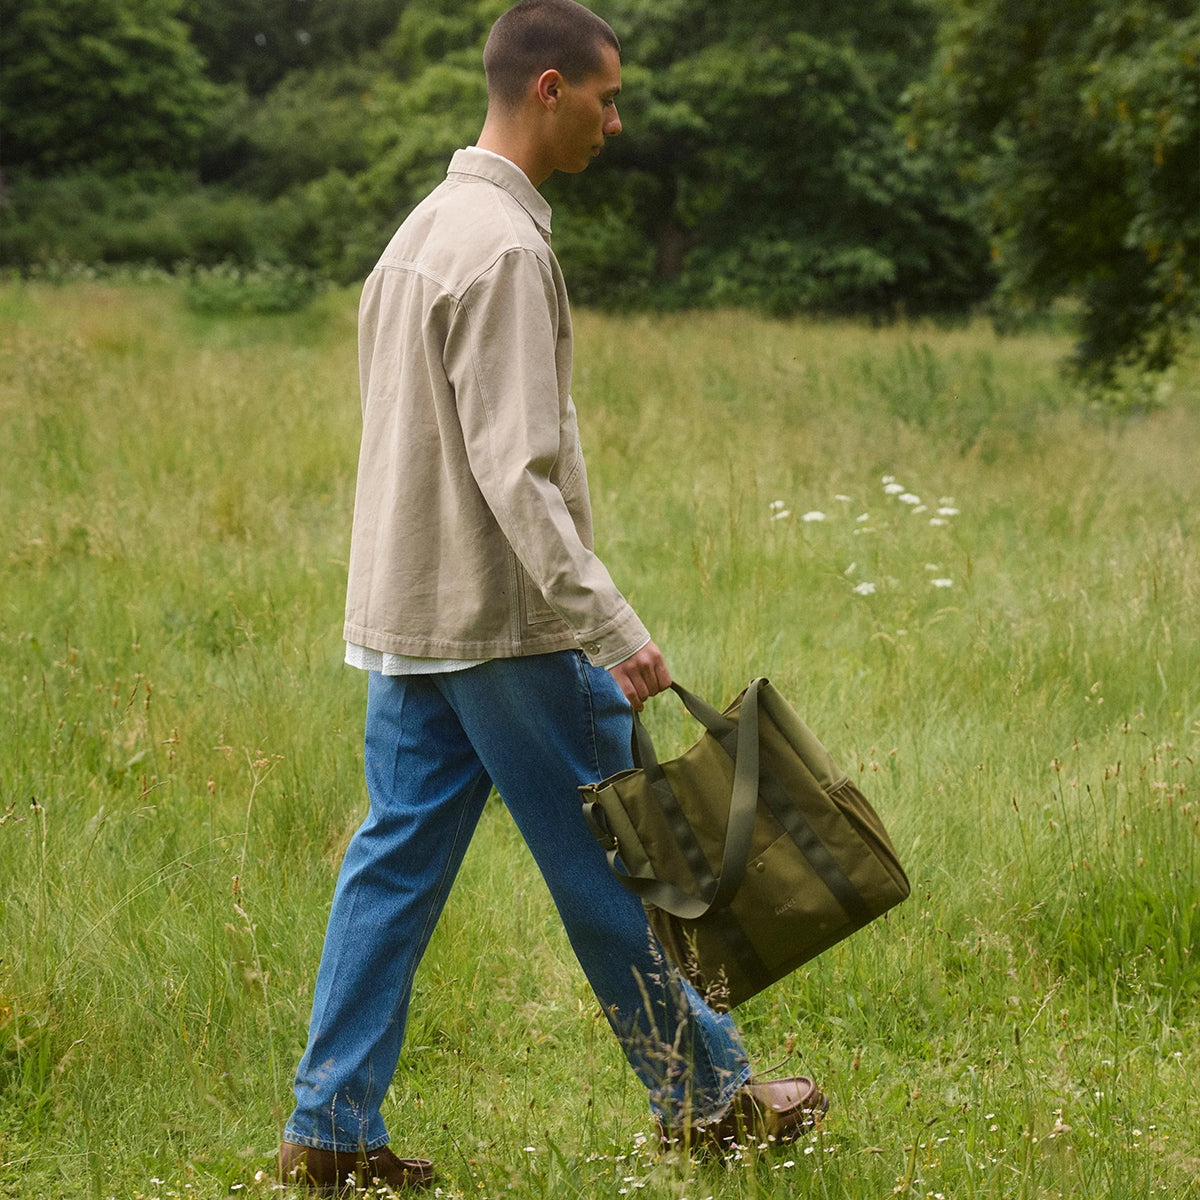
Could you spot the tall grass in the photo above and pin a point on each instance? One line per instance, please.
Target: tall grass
(981, 594)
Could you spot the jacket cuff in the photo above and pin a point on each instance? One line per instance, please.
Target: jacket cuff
(615, 642)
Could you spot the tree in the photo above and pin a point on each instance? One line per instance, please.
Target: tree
(256, 43)
(1079, 125)
(310, 123)
(105, 85)
(764, 163)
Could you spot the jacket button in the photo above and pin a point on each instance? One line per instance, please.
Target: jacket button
(592, 647)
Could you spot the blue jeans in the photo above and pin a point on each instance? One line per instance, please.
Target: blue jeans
(536, 728)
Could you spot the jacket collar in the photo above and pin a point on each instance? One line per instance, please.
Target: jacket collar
(484, 165)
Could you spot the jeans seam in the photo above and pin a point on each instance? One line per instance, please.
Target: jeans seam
(440, 895)
(589, 708)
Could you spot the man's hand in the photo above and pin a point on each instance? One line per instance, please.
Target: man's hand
(642, 675)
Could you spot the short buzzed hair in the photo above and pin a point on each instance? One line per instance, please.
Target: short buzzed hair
(540, 35)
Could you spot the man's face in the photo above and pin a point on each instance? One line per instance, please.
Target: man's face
(587, 114)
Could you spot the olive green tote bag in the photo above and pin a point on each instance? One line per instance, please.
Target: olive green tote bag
(752, 852)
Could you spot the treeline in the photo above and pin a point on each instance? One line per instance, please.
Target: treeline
(880, 157)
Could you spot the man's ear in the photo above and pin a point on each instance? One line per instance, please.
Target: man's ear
(548, 88)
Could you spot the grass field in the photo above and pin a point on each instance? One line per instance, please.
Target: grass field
(984, 596)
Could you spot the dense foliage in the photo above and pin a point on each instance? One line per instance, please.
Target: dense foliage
(1079, 124)
(886, 157)
(108, 85)
(767, 166)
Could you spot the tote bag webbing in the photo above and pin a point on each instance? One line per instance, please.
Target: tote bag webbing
(740, 741)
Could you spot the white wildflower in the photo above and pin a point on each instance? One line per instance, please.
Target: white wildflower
(864, 589)
(862, 517)
(947, 510)
(938, 521)
(780, 513)
(844, 499)
(909, 498)
(893, 488)
(814, 515)
(851, 569)
(942, 583)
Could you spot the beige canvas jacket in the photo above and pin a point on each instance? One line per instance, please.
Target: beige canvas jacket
(472, 533)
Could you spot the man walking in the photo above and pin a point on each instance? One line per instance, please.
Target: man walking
(500, 652)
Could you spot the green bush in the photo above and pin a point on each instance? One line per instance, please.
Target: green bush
(228, 289)
(164, 220)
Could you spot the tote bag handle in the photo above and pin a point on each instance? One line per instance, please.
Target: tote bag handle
(740, 741)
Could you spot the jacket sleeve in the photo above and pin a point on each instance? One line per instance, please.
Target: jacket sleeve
(510, 370)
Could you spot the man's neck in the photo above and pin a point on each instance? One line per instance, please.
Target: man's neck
(519, 150)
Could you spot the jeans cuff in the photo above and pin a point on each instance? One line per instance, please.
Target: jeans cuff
(293, 1135)
(668, 1104)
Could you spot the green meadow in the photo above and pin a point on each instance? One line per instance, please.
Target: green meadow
(982, 593)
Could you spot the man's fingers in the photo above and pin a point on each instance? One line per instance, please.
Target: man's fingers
(662, 677)
(642, 675)
(628, 684)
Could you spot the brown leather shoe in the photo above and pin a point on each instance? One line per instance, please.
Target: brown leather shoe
(776, 1111)
(330, 1172)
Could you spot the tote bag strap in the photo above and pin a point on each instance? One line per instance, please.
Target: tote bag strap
(740, 739)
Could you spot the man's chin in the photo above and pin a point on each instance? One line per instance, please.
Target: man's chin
(580, 165)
